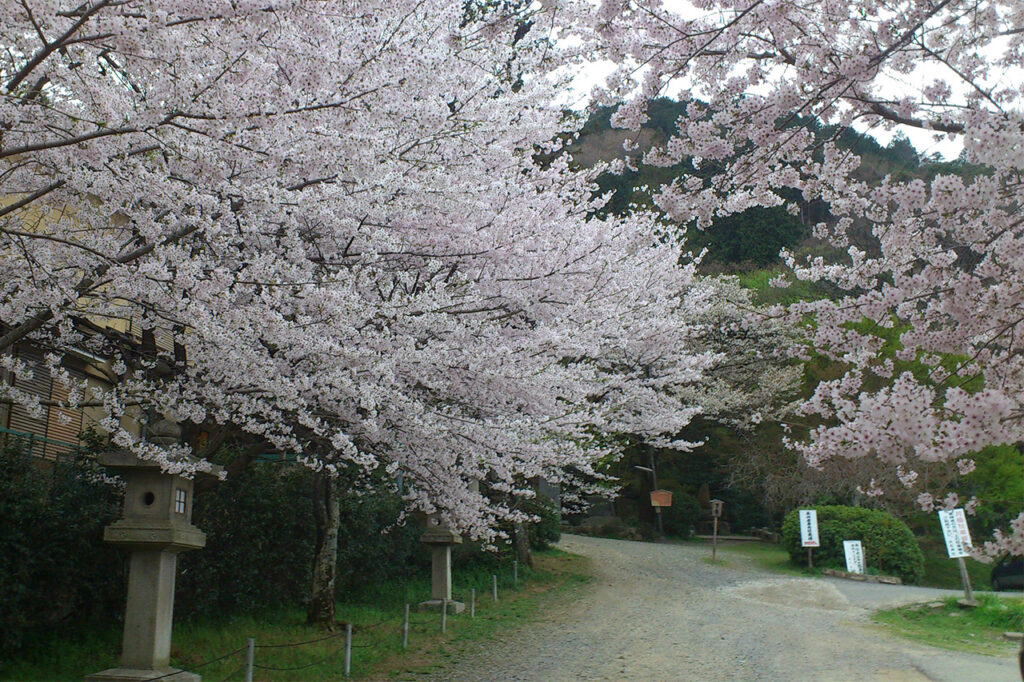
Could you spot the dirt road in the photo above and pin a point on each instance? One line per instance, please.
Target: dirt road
(658, 612)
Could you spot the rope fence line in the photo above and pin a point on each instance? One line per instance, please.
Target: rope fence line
(347, 646)
(302, 667)
(193, 668)
(291, 644)
(233, 673)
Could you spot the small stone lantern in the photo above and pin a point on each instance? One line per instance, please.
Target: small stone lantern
(155, 527)
(441, 539)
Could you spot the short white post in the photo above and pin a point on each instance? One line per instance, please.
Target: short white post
(348, 649)
(472, 602)
(250, 655)
(405, 629)
(515, 573)
(494, 587)
(444, 615)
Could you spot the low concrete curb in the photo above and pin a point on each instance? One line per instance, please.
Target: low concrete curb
(861, 577)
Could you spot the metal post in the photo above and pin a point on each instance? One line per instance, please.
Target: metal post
(654, 484)
(444, 615)
(472, 602)
(515, 573)
(968, 593)
(405, 629)
(250, 655)
(348, 649)
(494, 586)
(714, 540)
(810, 560)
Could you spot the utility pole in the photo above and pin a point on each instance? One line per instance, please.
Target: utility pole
(652, 470)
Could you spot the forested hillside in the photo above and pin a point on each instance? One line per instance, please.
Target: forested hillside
(748, 465)
(753, 238)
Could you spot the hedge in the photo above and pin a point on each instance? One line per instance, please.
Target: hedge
(54, 567)
(890, 547)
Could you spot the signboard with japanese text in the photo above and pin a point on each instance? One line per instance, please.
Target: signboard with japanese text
(854, 556)
(954, 530)
(809, 528)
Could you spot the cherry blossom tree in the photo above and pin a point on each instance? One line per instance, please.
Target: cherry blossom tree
(945, 269)
(336, 211)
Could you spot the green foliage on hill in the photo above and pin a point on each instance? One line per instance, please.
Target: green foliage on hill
(998, 483)
(754, 237)
(889, 546)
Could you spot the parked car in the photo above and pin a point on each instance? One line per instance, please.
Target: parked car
(1008, 574)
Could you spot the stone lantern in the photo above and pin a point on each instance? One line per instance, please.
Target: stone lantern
(441, 539)
(156, 526)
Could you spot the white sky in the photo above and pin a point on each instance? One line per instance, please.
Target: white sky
(925, 142)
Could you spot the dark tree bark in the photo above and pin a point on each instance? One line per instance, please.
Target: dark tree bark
(327, 515)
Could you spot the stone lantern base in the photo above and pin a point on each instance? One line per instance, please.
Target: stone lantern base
(435, 605)
(141, 675)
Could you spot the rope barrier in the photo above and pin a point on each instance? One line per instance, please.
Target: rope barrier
(200, 665)
(321, 661)
(233, 673)
(311, 641)
(301, 667)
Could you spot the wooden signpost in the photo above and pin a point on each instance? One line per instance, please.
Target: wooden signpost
(716, 513)
(958, 544)
(809, 533)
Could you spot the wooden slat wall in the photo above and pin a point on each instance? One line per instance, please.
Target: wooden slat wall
(36, 382)
(62, 424)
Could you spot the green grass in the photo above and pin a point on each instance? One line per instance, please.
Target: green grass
(376, 642)
(769, 557)
(758, 280)
(939, 571)
(977, 630)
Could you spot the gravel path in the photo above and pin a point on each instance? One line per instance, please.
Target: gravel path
(657, 612)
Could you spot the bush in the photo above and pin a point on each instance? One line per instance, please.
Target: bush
(547, 531)
(372, 546)
(261, 535)
(679, 519)
(259, 544)
(889, 546)
(54, 567)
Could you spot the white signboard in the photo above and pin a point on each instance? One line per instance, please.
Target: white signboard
(809, 528)
(854, 556)
(954, 530)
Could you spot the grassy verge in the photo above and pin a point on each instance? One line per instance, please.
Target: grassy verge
(376, 642)
(939, 571)
(767, 556)
(944, 624)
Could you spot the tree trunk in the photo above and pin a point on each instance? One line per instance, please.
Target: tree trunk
(521, 543)
(327, 514)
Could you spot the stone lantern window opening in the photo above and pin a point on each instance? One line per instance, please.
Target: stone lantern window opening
(148, 499)
(180, 496)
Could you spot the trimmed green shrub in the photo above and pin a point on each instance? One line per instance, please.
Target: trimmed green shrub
(261, 535)
(889, 546)
(54, 566)
(259, 544)
(545, 532)
(679, 519)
